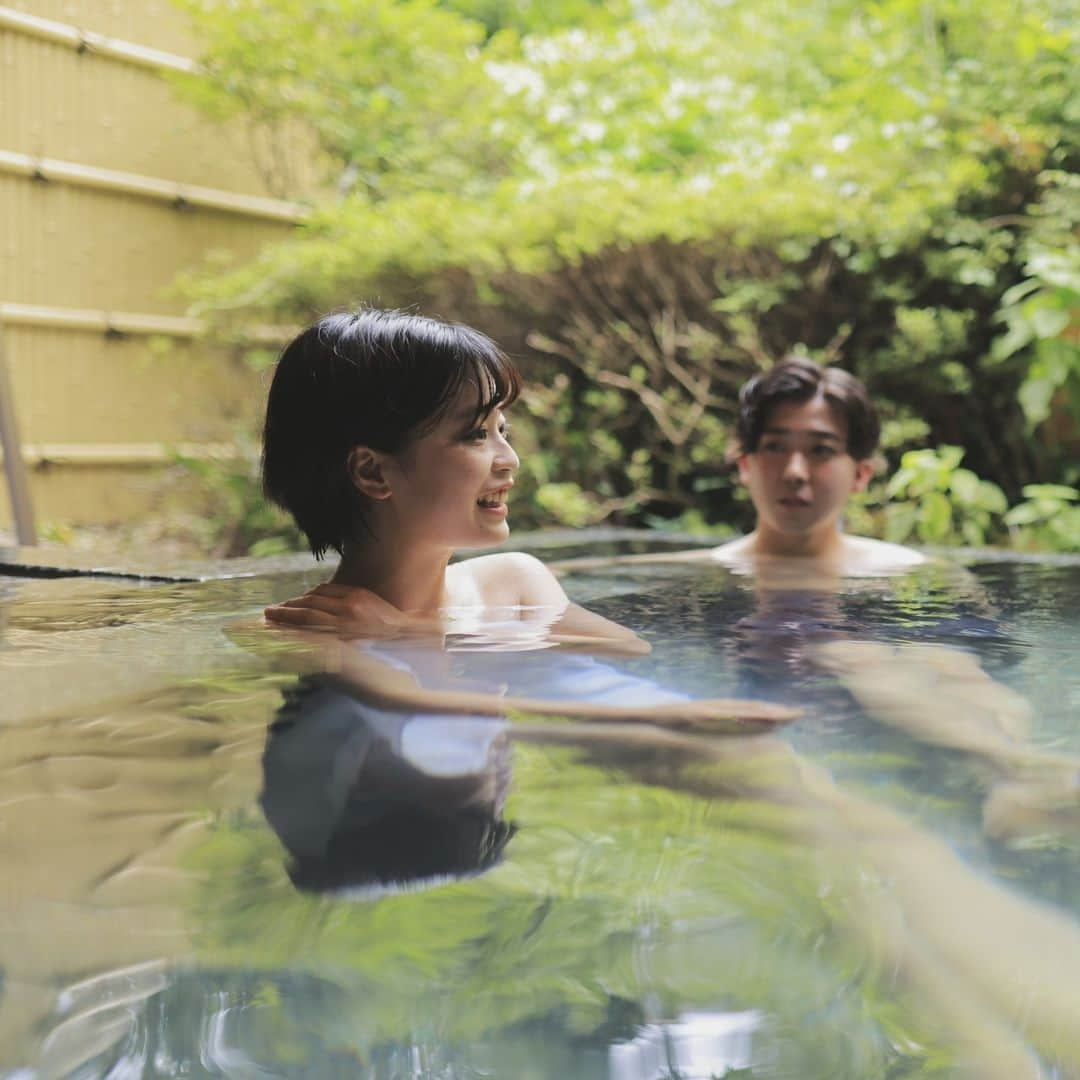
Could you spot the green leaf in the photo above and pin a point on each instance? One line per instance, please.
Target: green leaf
(991, 498)
(1028, 513)
(1035, 396)
(900, 522)
(1018, 292)
(1048, 322)
(964, 485)
(1019, 335)
(935, 518)
(1050, 491)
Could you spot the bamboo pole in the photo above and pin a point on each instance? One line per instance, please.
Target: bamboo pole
(14, 467)
(180, 196)
(120, 455)
(86, 41)
(128, 323)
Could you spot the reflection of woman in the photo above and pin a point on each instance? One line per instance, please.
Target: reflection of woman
(370, 801)
(370, 798)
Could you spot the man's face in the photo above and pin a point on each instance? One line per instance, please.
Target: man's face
(800, 476)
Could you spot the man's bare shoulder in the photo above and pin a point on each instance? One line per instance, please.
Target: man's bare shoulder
(858, 556)
(738, 552)
(861, 555)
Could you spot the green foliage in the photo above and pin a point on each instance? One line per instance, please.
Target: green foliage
(531, 16)
(237, 519)
(657, 202)
(1041, 312)
(364, 76)
(1048, 518)
(566, 504)
(931, 499)
(937, 501)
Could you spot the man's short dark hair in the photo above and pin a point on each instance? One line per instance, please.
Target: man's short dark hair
(797, 379)
(370, 378)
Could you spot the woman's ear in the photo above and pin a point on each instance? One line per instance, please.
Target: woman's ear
(366, 472)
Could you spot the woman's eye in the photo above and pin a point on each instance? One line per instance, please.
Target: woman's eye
(504, 431)
(476, 435)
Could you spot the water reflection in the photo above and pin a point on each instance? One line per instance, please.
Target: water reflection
(697, 1046)
(369, 801)
(657, 881)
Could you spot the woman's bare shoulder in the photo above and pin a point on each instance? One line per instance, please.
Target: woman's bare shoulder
(510, 579)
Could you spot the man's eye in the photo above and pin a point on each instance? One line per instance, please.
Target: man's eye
(824, 452)
(772, 447)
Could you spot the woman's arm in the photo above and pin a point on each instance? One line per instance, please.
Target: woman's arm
(387, 686)
(390, 687)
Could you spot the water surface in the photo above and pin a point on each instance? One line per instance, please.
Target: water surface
(888, 887)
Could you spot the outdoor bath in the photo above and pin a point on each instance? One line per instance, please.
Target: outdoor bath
(864, 892)
(400, 279)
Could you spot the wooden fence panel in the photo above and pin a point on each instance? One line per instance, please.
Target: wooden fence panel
(56, 102)
(73, 247)
(96, 409)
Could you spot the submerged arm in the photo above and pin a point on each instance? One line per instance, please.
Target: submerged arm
(390, 687)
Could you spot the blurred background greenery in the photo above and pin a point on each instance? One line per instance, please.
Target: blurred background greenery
(647, 201)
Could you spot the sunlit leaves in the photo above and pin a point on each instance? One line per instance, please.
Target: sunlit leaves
(936, 501)
(683, 121)
(916, 155)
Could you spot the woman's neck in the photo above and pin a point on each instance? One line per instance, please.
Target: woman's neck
(411, 580)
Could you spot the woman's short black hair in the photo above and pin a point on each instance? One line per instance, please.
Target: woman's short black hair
(795, 378)
(368, 378)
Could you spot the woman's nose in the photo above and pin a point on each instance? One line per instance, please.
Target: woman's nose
(505, 456)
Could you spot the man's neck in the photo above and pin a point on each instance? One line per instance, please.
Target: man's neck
(824, 545)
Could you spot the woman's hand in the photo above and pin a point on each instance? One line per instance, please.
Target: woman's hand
(351, 612)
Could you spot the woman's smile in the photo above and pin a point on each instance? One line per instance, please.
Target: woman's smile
(494, 502)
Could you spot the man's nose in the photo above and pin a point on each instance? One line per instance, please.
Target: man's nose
(795, 468)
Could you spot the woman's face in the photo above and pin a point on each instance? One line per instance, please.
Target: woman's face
(451, 484)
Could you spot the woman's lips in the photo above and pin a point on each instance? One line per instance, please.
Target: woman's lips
(494, 502)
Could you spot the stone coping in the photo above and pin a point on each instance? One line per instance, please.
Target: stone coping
(53, 563)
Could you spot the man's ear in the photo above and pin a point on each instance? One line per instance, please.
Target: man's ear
(743, 466)
(864, 470)
(366, 472)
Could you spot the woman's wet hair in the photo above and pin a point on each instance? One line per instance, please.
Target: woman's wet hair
(797, 379)
(369, 378)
